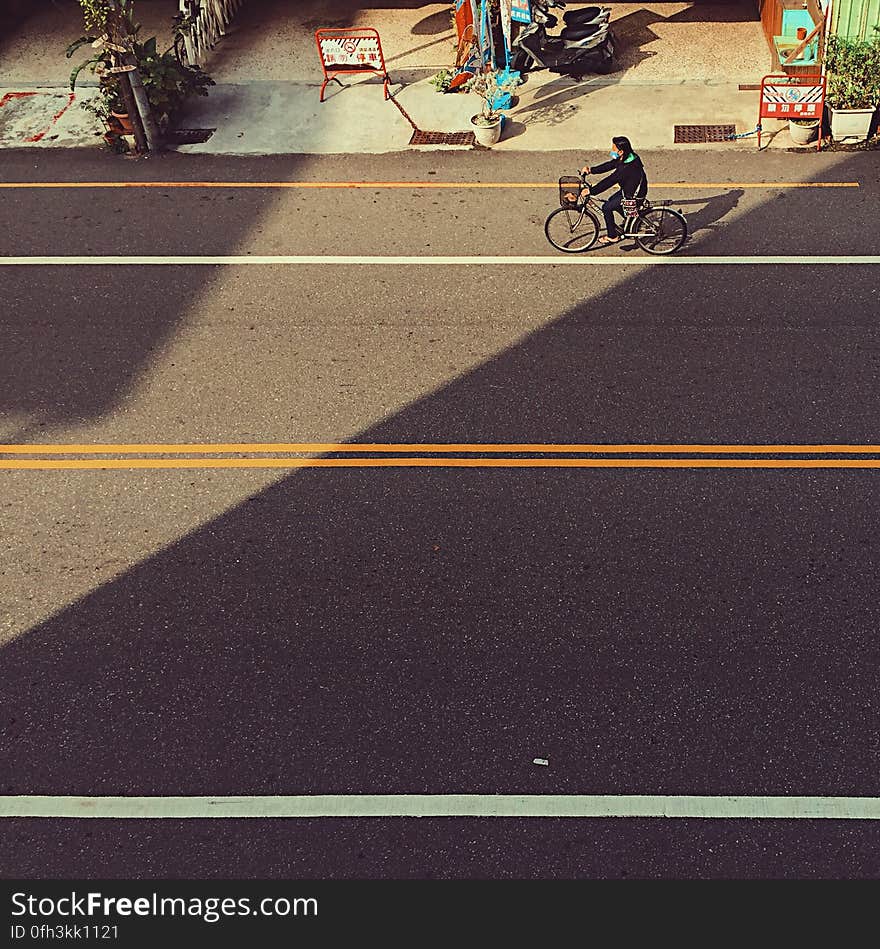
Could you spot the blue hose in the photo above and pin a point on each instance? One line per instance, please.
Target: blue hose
(754, 131)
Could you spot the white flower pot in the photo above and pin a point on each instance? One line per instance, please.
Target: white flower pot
(850, 123)
(803, 134)
(486, 134)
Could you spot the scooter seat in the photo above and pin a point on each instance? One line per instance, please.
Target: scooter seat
(581, 32)
(581, 16)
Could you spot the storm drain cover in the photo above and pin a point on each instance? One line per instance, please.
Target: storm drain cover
(189, 136)
(441, 138)
(691, 134)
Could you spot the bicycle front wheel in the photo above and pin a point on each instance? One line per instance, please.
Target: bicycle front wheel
(572, 230)
(661, 230)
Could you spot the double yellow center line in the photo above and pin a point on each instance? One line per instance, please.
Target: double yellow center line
(435, 455)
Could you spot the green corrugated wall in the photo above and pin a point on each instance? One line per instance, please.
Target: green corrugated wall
(855, 19)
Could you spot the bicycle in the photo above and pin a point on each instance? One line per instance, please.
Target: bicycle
(574, 226)
(182, 24)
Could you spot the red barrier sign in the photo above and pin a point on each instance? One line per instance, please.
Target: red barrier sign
(355, 50)
(792, 97)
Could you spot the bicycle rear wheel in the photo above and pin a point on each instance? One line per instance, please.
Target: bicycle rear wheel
(660, 230)
(572, 230)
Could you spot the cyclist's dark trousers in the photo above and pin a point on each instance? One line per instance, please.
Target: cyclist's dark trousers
(608, 208)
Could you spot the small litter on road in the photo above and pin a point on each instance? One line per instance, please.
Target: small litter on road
(543, 761)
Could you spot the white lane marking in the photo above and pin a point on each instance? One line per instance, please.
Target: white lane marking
(446, 805)
(554, 261)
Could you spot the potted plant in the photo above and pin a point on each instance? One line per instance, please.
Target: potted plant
(492, 88)
(108, 106)
(167, 83)
(853, 86)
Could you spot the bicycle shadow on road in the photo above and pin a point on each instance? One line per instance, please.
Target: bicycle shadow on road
(711, 211)
(709, 216)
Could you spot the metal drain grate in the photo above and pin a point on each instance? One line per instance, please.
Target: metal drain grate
(189, 136)
(691, 134)
(441, 138)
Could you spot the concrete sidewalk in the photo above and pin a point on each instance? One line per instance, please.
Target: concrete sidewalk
(679, 63)
(551, 113)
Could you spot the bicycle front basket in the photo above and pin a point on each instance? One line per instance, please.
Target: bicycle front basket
(569, 185)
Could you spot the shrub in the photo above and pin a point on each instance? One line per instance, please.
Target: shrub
(853, 73)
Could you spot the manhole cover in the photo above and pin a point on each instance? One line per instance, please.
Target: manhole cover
(690, 134)
(189, 136)
(441, 138)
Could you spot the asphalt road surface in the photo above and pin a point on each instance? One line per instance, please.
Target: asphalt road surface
(358, 629)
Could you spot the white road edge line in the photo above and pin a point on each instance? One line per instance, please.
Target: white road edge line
(560, 261)
(445, 805)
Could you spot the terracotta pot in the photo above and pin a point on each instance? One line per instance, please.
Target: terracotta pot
(801, 32)
(124, 122)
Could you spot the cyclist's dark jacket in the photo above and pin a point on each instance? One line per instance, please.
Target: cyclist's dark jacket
(629, 175)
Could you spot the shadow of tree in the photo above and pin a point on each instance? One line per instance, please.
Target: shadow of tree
(633, 31)
(716, 11)
(438, 22)
(554, 101)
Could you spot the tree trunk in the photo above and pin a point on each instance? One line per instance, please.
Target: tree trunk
(151, 127)
(140, 139)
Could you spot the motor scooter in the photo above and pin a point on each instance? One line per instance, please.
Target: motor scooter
(589, 48)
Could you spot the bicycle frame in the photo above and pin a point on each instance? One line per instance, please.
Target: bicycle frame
(629, 220)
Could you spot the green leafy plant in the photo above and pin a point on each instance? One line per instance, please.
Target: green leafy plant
(107, 102)
(489, 88)
(106, 106)
(853, 73)
(168, 84)
(112, 33)
(96, 63)
(115, 17)
(441, 80)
